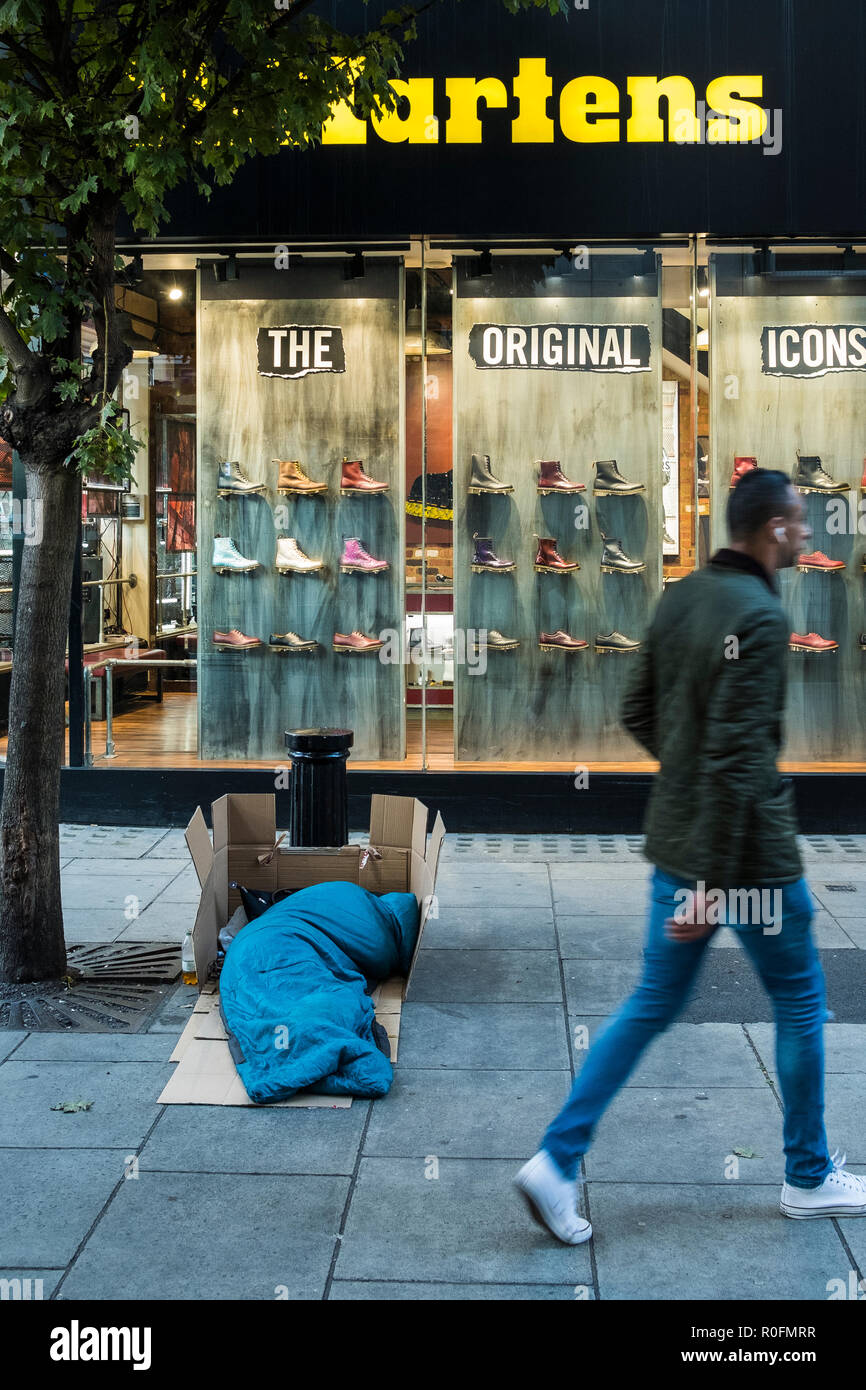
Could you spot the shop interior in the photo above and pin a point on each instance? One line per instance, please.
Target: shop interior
(141, 562)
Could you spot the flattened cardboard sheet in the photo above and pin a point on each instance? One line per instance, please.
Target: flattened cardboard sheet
(206, 1075)
(209, 1075)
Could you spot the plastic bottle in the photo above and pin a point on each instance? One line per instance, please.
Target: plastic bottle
(187, 961)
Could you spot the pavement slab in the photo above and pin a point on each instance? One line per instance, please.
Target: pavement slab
(525, 1036)
(238, 1139)
(844, 1046)
(491, 928)
(729, 1241)
(465, 1114)
(600, 938)
(94, 1047)
(123, 1095)
(468, 1224)
(487, 976)
(668, 1135)
(10, 1040)
(221, 1238)
(51, 1197)
(599, 986)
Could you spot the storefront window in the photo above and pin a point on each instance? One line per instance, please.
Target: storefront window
(433, 494)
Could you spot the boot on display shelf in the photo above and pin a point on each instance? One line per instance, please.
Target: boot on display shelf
(615, 642)
(552, 479)
(233, 640)
(227, 559)
(811, 477)
(291, 642)
(811, 642)
(293, 481)
(354, 479)
(863, 641)
(356, 559)
(820, 562)
(548, 559)
(743, 464)
(233, 481)
(482, 478)
(290, 558)
(609, 482)
(495, 642)
(560, 641)
(485, 560)
(614, 559)
(356, 642)
(703, 472)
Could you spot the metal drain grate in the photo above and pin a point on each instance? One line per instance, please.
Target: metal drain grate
(115, 989)
(84, 1008)
(128, 960)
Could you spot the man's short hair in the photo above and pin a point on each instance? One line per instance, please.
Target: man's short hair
(760, 494)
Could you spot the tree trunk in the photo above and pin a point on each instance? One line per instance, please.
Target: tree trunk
(31, 918)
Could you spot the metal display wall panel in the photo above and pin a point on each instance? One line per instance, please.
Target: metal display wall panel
(530, 704)
(755, 412)
(247, 699)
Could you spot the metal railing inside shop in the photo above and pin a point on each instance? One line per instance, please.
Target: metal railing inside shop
(106, 668)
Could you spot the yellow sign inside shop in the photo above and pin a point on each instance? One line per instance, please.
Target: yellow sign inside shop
(588, 110)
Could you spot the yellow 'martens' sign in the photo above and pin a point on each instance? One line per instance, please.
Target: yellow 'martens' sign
(590, 110)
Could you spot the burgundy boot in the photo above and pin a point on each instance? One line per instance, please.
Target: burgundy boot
(354, 479)
(548, 559)
(552, 479)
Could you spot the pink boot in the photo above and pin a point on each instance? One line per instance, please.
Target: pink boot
(355, 557)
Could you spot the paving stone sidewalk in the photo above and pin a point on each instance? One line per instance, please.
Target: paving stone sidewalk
(536, 941)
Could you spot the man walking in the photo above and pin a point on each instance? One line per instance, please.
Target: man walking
(707, 702)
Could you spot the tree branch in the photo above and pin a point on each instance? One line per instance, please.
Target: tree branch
(21, 359)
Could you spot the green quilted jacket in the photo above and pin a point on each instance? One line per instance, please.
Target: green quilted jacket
(707, 701)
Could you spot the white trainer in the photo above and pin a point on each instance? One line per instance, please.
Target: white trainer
(840, 1194)
(551, 1199)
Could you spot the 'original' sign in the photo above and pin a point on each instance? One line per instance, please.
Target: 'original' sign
(813, 349)
(296, 349)
(562, 347)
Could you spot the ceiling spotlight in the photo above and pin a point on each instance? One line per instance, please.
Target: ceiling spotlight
(175, 292)
(354, 268)
(765, 261)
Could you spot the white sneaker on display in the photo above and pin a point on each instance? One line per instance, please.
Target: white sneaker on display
(840, 1194)
(552, 1199)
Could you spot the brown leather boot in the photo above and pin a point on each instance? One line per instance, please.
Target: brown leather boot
(292, 478)
(354, 479)
(548, 559)
(552, 479)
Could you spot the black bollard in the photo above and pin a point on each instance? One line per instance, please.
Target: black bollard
(319, 813)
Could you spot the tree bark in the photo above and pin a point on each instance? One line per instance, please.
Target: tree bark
(31, 918)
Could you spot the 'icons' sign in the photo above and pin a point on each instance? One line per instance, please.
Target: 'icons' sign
(809, 349)
(561, 347)
(295, 349)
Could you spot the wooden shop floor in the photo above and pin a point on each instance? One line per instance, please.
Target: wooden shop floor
(147, 734)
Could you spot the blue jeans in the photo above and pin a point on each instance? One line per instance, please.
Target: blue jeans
(790, 970)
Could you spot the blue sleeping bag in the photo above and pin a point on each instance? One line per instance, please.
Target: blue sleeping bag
(293, 990)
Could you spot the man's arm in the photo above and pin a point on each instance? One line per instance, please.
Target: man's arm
(638, 713)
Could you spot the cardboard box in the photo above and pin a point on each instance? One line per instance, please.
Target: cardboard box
(244, 849)
(398, 859)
